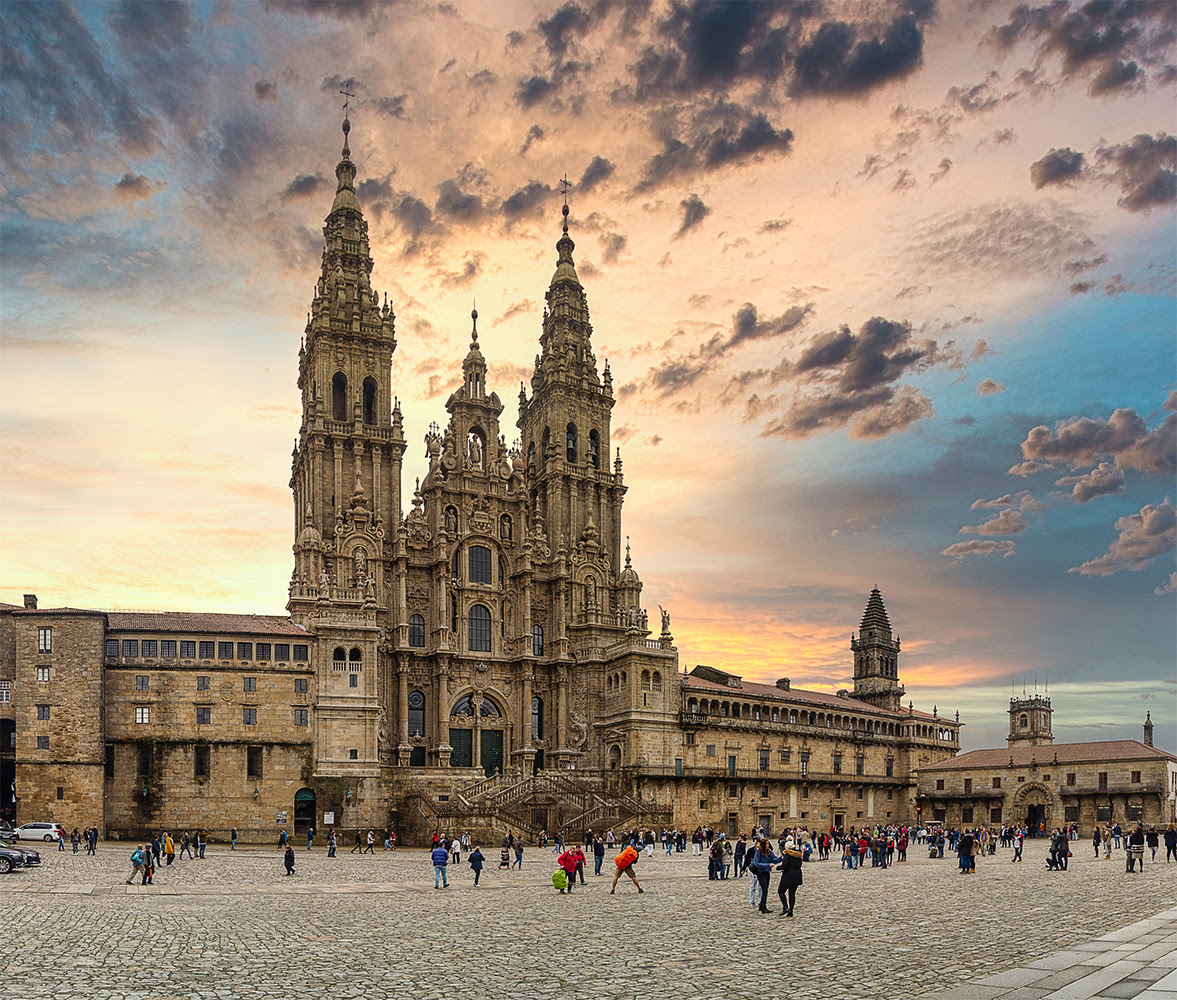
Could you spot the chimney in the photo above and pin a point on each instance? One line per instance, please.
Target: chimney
(1148, 729)
(783, 683)
(30, 602)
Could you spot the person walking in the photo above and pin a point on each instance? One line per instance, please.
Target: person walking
(371, 849)
(475, 860)
(791, 877)
(169, 849)
(567, 861)
(578, 857)
(1134, 848)
(288, 858)
(137, 861)
(598, 854)
(202, 841)
(1170, 842)
(519, 853)
(440, 858)
(75, 838)
(1151, 839)
(331, 843)
(1095, 840)
(763, 859)
(359, 845)
(310, 837)
(625, 862)
(233, 839)
(1019, 836)
(185, 845)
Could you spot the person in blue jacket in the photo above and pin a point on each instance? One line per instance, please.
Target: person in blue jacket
(762, 861)
(475, 858)
(441, 858)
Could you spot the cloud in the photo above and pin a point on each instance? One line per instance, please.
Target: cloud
(457, 204)
(1145, 169)
(836, 62)
(596, 173)
(1081, 287)
(612, 245)
(1008, 522)
(1116, 77)
(303, 186)
(1142, 538)
(1059, 166)
(534, 134)
(342, 10)
(265, 90)
(693, 213)
(988, 387)
(513, 310)
(1169, 586)
(775, 225)
(1099, 482)
(527, 200)
(1085, 441)
(959, 550)
(533, 89)
(471, 269)
(133, 187)
(390, 107)
(559, 30)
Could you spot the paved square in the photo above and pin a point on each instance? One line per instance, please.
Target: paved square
(233, 925)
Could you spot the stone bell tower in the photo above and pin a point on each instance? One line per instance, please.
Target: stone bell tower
(876, 657)
(1029, 721)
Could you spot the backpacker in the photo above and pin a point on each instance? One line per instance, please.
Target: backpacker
(626, 858)
(560, 880)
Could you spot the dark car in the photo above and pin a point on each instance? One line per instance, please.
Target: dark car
(6, 832)
(32, 858)
(11, 859)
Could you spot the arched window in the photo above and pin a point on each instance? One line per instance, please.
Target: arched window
(478, 625)
(369, 400)
(489, 710)
(594, 455)
(355, 656)
(339, 396)
(609, 684)
(537, 719)
(645, 680)
(340, 657)
(570, 439)
(463, 706)
(692, 706)
(792, 718)
(537, 640)
(416, 630)
(735, 710)
(480, 564)
(416, 713)
(657, 681)
(1023, 722)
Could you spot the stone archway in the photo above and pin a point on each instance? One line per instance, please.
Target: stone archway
(1035, 807)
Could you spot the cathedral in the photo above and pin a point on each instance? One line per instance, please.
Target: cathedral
(474, 654)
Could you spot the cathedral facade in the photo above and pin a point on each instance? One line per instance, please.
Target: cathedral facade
(484, 658)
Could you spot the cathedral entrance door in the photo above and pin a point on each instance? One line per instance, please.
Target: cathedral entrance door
(462, 740)
(304, 810)
(1036, 820)
(491, 751)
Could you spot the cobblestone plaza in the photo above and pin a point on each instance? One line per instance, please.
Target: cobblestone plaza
(233, 925)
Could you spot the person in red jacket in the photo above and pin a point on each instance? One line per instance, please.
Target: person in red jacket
(567, 861)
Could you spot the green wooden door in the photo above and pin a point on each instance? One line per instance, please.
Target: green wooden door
(462, 740)
(492, 751)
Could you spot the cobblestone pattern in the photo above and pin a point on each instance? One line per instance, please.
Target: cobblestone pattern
(233, 925)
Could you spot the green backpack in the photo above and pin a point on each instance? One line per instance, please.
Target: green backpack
(560, 879)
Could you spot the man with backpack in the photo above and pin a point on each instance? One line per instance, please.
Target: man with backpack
(137, 859)
(625, 862)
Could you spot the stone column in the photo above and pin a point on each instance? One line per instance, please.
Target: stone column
(561, 707)
(402, 712)
(528, 735)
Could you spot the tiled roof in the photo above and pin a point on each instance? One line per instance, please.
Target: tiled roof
(56, 611)
(198, 621)
(750, 689)
(1045, 756)
(875, 615)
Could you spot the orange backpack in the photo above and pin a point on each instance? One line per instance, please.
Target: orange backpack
(626, 858)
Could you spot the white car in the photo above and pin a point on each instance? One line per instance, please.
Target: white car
(39, 831)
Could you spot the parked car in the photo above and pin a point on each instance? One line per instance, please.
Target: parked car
(32, 858)
(40, 831)
(10, 859)
(6, 832)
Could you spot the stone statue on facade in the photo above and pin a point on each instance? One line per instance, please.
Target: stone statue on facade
(475, 452)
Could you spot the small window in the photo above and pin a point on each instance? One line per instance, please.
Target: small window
(150, 648)
(968, 786)
(142, 682)
(690, 739)
(250, 684)
(995, 815)
(300, 716)
(537, 640)
(353, 680)
(786, 756)
(112, 647)
(249, 716)
(225, 650)
(281, 651)
(764, 761)
(42, 742)
(204, 715)
(142, 714)
(202, 683)
(245, 650)
(479, 564)
(805, 792)
(416, 714)
(837, 763)
(417, 631)
(187, 649)
(479, 629)
(300, 685)
(537, 718)
(1071, 779)
(253, 762)
(200, 762)
(301, 653)
(996, 782)
(966, 815)
(167, 649)
(263, 651)
(1136, 777)
(353, 754)
(733, 791)
(44, 640)
(207, 649)
(109, 765)
(710, 749)
(890, 768)
(838, 792)
(5, 692)
(42, 713)
(42, 674)
(145, 760)
(859, 794)
(130, 647)
(939, 784)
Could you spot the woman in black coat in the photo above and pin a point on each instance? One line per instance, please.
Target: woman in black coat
(790, 869)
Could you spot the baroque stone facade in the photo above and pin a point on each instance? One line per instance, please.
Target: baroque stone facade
(436, 662)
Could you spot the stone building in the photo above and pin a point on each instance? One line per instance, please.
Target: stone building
(483, 657)
(1042, 784)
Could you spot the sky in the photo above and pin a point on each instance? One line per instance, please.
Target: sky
(887, 290)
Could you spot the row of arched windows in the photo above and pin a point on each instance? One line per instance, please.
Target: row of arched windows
(342, 657)
(488, 709)
(572, 451)
(820, 720)
(478, 632)
(339, 403)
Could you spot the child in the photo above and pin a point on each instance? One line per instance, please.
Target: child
(505, 857)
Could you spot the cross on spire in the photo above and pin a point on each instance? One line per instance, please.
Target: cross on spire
(565, 186)
(348, 95)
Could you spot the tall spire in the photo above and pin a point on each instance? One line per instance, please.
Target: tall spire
(876, 657)
(345, 173)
